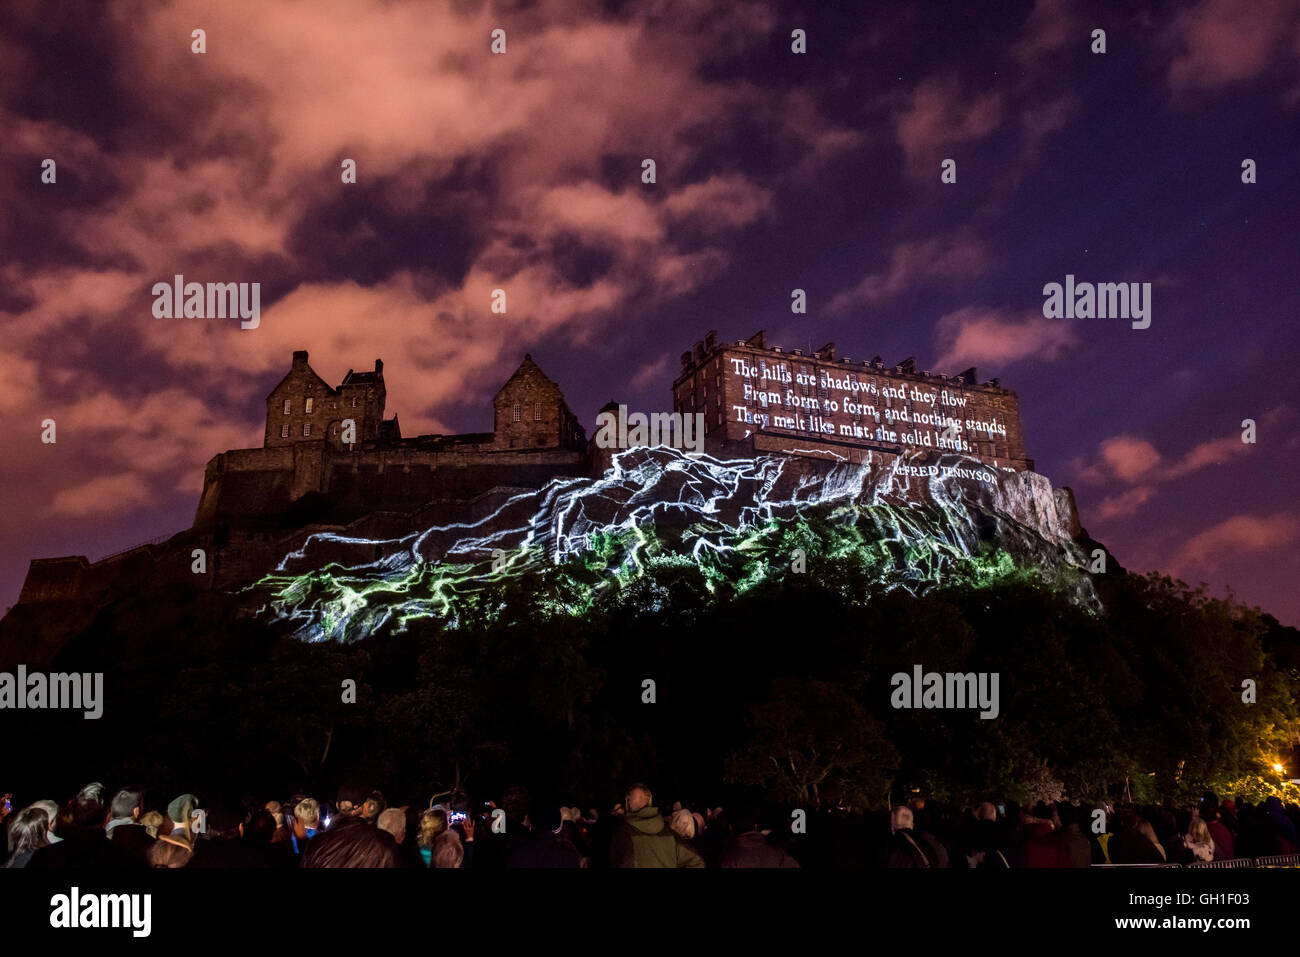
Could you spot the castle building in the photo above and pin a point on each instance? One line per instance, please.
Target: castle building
(331, 463)
(308, 472)
(758, 399)
(305, 408)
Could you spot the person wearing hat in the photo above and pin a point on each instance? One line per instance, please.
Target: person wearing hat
(183, 812)
(351, 841)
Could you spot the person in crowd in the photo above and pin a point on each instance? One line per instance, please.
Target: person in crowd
(283, 832)
(1223, 840)
(52, 811)
(682, 821)
(751, 847)
(1282, 830)
(548, 846)
(169, 852)
(642, 839)
(151, 821)
(1036, 843)
(518, 805)
(447, 850)
(1147, 831)
(124, 828)
(306, 824)
(350, 840)
(28, 833)
(1072, 847)
(375, 805)
(908, 849)
(182, 812)
(577, 831)
(258, 834)
(1128, 844)
(85, 843)
(1198, 843)
(393, 820)
(433, 822)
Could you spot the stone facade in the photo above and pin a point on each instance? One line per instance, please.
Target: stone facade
(757, 399)
(529, 412)
(305, 408)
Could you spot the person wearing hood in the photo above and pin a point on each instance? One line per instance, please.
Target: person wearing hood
(1284, 832)
(644, 840)
(751, 847)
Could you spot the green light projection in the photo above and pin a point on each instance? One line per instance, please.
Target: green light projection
(918, 523)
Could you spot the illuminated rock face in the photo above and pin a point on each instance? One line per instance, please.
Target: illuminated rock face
(921, 521)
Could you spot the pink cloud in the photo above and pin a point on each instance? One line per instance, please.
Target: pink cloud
(650, 373)
(1126, 503)
(1239, 535)
(1129, 457)
(262, 122)
(729, 202)
(939, 115)
(975, 335)
(951, 257)
(1213, 452)
(107, 493)
(1052, 26)
(1219, 43)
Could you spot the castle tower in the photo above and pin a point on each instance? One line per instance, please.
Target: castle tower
(529, 412)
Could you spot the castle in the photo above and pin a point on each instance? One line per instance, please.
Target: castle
(331, 461)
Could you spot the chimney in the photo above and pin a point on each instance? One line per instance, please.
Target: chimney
(686, 360)
(710, 340)
(379, 366)
(300, 358)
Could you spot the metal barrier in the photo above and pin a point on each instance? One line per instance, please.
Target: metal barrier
(1136, 865)
(1237, 862)
(1278, 860)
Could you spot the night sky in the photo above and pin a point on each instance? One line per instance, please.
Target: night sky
(775, 171)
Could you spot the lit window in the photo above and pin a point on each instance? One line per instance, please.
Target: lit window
(284, 431)
(288, 404)
(308, 408)
(306, 429)
(517, 415)
(537, 412)
(354, 402)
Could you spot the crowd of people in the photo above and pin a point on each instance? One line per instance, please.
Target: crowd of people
(122, 829)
